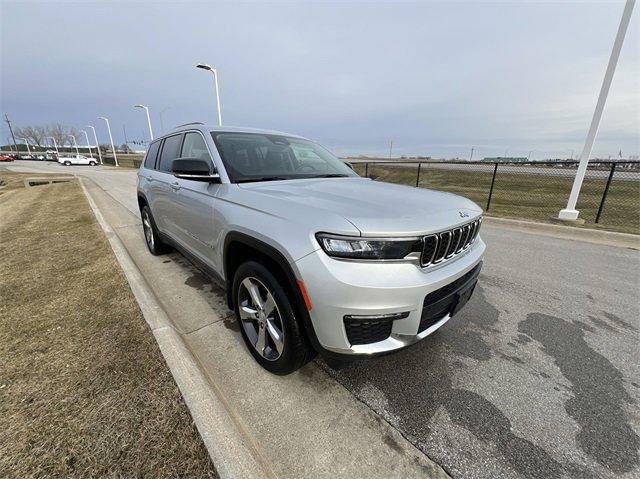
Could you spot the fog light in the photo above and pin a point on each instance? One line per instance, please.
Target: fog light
(377, 317)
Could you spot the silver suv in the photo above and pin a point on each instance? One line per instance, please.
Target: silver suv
(313, 257)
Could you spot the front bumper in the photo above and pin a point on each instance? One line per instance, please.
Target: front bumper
(340, 288)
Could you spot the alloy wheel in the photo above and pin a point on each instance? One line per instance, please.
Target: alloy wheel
(260, 318)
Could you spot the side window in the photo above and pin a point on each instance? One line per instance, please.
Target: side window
(152, 153)
(170, 151)
(195, 147)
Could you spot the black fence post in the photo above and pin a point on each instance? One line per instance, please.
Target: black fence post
(366, 170)
(605, 192)
(493, 180)
(418, 175)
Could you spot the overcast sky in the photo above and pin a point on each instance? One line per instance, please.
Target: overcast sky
(436, 77)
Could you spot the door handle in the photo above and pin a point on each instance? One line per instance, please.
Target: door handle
(175, 186)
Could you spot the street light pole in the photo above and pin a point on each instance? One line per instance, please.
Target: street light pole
(26, 143)
(113, 148)
(88, 144)
(471, 156)
(570, 212)
(75, 143)
(204, 66)
(148, 118)
(95, 137)
(55, 144)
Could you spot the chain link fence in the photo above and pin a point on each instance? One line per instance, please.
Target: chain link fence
(609, 199)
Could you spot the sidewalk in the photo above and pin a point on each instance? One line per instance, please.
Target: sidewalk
(253, 423)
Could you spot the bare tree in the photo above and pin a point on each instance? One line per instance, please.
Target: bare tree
(58, 132)
(61, 133)
(33, 134)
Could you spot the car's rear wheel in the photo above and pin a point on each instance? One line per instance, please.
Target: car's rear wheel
(151, 236)
(268, 321)
(67, 163)
(92, 163)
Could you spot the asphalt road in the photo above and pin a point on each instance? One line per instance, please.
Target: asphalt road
(539, 375)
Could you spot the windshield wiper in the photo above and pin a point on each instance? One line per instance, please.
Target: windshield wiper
(262, 178)
(330, 175)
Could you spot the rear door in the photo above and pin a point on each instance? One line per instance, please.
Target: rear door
(165, 185)
(194, 203)
(145, 174)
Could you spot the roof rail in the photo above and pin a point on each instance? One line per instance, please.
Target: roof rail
(187, 124)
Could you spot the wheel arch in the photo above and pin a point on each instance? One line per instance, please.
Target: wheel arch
(142, 201)
(240, 247)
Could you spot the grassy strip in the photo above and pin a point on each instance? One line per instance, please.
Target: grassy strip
(525, 195)
(124, 160)
(84, 389)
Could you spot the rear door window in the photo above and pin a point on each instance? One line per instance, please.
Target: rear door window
(170, 151)
(152, 153)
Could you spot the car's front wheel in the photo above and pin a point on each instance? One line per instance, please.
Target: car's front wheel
(151, 236)
(92, 163)
(67, 163)
(268, 321)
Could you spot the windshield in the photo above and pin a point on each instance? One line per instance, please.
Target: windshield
(261, 157)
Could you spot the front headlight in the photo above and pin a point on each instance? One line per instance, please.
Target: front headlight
(367, 248)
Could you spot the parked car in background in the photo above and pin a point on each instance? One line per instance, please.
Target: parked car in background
(77, 160)
(6, 158)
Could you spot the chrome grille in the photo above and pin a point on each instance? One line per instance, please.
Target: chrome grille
(444, 240)
(429, 248)
(446, 244)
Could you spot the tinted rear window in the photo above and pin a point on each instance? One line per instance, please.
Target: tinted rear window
(152, 153)
(170, 151)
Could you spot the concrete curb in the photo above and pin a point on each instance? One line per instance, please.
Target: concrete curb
(228, 447)
(588, 235)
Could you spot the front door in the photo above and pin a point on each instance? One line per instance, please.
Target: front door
(194, 204)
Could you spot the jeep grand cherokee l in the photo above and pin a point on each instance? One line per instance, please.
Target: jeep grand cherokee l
(313, 257)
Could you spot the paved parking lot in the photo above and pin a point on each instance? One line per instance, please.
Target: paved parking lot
(537, 377)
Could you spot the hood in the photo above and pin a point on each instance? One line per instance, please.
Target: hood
(373, 207)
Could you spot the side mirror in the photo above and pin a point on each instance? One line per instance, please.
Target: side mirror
(193, 169)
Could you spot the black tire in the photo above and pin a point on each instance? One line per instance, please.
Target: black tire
(67, 163)
(152, 238)
(92, 163)
(296, 350)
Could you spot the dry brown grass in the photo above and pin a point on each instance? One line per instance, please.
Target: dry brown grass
(84, 390)
(524, 196)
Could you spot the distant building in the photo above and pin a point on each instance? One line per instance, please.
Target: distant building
(505, 159)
